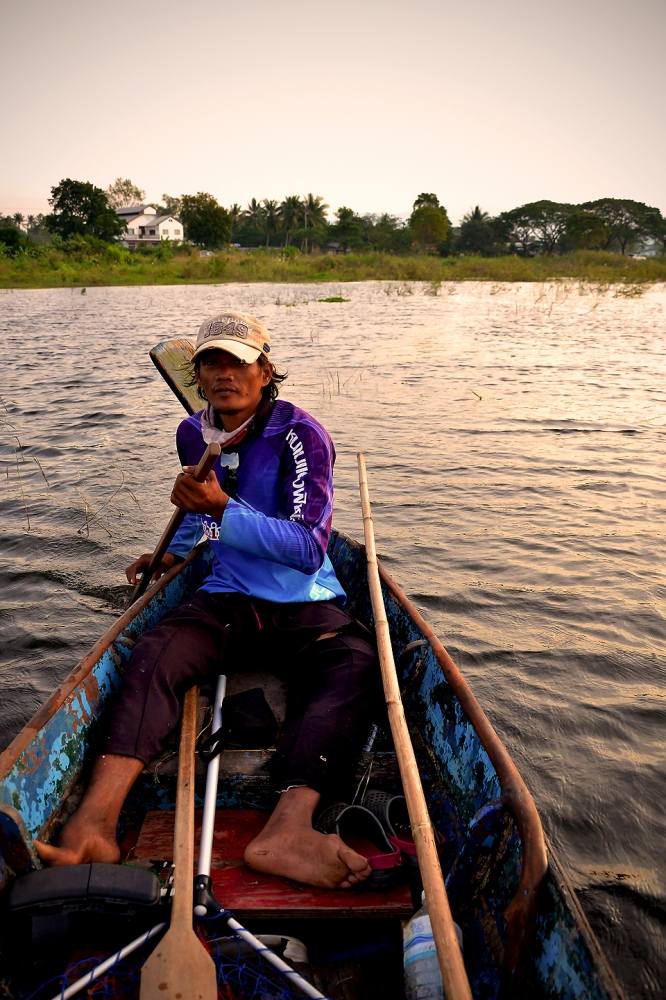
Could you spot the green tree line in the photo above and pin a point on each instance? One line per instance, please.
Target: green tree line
(79, 210)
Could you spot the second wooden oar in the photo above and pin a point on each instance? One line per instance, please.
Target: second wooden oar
(454, 977)
(180, 966)
(203, 468)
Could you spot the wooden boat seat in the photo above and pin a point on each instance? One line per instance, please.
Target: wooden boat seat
(251, 895)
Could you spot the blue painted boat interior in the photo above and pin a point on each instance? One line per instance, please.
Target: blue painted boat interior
(481, 852)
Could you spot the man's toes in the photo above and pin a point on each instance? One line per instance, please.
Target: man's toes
(356, 863)
(54, 855)
(45, 851)
(355, 878)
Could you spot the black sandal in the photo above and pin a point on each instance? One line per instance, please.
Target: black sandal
(361, 830)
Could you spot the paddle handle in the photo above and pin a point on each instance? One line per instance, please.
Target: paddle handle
(180, 966)
(454, 977)
(183, 836)
(207, 462)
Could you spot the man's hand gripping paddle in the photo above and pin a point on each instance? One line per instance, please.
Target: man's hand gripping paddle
(203, 468)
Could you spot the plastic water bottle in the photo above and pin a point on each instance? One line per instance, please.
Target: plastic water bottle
(423, 979)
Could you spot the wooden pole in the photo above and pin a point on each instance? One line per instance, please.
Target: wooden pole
(454, 977)
(180, 966)
(203, 468)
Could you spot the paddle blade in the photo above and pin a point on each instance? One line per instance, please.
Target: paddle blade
(179, 968)
(171, 358)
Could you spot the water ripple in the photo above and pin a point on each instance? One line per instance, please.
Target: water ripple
(516, 465)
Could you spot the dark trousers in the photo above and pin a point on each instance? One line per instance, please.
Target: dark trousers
(331, 681)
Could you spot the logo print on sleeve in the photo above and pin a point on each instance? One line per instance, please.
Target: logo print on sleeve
(211, 530)
(301, 469)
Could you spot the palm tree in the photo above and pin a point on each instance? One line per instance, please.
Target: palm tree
(476, 215)
(18, 219)
(254, 213)
(253, 219)
(291, 213)
(478, 234)
(314, 214)
(271, 218)
(235, 215)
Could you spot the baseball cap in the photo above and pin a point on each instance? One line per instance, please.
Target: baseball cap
(240, 334)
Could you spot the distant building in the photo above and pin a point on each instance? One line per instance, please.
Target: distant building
(143, 226)
(646, 247)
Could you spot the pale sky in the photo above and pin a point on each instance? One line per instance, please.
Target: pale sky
(364, 102)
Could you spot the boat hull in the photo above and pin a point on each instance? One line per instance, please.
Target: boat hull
(524, 932)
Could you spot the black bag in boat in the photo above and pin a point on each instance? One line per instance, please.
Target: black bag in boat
(248, 723)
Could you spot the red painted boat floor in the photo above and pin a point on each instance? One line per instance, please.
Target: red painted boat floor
(250, 894)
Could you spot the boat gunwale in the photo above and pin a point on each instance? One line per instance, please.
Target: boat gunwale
(10, 755)
(600, 959)
(537, 860)
(538, 856)
(521, 912)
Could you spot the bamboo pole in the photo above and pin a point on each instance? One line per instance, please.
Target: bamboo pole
(454, 977)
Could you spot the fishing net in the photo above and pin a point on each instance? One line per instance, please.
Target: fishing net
(121, 981)
(242, 973)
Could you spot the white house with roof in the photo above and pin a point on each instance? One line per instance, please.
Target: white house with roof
(144, 226)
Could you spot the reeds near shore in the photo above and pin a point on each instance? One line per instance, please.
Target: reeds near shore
(55, 268)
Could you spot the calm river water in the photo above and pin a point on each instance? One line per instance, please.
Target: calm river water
(515, 437)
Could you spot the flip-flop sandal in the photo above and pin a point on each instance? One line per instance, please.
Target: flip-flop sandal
(391, 811)
(361, 830)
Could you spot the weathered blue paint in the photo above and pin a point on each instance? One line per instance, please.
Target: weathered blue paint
(482, 851)
(40, 781)
(45, 772)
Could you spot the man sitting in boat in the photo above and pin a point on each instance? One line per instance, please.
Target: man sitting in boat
(267, 511)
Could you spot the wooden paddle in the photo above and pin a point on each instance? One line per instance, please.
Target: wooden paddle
(180, 966)
(172, 359)
(203, 468)
(454, 977)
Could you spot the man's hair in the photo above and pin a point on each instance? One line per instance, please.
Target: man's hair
(269, 391)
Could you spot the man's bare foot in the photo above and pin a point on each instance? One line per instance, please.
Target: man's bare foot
(93, 847)
(90, 834)
(319, 859)
(289, 846)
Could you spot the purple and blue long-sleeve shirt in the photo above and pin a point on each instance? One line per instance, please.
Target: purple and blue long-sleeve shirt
(272, 539)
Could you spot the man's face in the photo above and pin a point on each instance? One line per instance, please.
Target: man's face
(232, 387)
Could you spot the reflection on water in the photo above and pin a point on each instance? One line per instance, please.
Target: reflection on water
(515, 437)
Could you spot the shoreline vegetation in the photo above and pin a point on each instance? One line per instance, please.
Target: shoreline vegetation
(79, 266)
(94, 237)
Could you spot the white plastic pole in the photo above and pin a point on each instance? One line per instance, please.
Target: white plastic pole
(212, 775)
(205, 854)
(107, 964)
(294, 977)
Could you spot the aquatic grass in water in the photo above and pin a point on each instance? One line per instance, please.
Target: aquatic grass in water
(18, 485)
